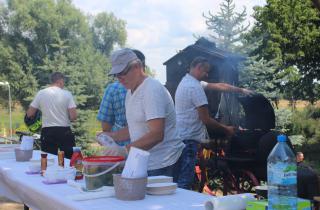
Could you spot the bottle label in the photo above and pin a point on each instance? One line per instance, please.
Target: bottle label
(283, 173)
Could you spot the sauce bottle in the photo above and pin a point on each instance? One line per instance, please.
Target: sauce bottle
(76, 161)
(61, 158)
(43, 163)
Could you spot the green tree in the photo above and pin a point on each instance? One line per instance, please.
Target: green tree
(258, 75)
(290, 32)
(107, 31)
(39, 37)
(16, 67)
(50, 35)
(227, 26)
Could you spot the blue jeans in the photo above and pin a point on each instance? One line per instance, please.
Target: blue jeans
(187, 163)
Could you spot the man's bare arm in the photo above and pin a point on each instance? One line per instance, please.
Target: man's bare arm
(151, 138)
(105, 126)
(120, 135)
(224, 87)
(72, 114)
(31, 111)
(213, 124)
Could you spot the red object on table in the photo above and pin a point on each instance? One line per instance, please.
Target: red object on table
(76, 161)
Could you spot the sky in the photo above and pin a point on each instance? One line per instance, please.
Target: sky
(160, 28)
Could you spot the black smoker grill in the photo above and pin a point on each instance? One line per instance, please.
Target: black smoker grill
(257, 140)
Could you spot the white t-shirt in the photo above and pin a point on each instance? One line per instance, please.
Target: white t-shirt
(54, 103)
(150, 101)
(189, 96)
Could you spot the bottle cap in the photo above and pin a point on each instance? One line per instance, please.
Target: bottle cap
(76, 149)
(281, 138)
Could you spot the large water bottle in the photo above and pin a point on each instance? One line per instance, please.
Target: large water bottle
(282, 177)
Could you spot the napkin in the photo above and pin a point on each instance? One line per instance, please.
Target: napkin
(136, 164)
(229, 202)
(57, 174)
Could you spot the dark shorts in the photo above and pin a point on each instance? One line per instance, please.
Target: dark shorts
(54, 138)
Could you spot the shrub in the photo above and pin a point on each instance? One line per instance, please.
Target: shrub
(307, 123)
(283, 120)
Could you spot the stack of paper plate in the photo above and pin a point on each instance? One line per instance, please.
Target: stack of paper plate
(159, 179)
(161, 188)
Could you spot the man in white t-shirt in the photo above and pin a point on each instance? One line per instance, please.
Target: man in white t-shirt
(150, 115)
(193, 116)
(58, 109)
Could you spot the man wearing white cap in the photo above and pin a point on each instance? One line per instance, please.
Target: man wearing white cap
(150, 115)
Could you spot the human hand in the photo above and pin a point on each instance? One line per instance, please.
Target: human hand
(229, 131)
(247, 92)
(241, 129)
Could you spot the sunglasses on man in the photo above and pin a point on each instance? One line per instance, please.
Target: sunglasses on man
(124, 72)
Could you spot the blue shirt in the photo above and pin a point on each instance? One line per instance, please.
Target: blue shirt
(112, 108)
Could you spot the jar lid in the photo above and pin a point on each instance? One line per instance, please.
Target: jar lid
(104, 159)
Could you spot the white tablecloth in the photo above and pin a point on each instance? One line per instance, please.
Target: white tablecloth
(29, 189)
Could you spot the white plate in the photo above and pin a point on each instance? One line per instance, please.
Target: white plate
(161, 188)
(159, 179)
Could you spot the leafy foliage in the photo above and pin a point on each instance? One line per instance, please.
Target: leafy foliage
(307, 122)
(283, 120)
(39, 37)
(290, 31)
(259, 75)
(107, 30)
(226, 26)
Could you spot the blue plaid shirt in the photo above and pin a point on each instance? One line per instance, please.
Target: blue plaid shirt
(112, 108)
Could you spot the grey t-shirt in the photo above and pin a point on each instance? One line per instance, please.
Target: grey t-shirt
(151, 101)
(189, 96)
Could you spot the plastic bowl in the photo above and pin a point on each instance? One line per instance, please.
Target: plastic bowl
(22, 155)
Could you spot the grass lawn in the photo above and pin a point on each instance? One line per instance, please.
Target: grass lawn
(17, 120)
(93, 126)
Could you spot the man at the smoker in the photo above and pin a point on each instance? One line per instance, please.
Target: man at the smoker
(193, 116)
(58, 109)
(150, 115)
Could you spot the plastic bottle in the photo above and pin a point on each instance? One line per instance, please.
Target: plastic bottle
(282, 177)
(76, 161)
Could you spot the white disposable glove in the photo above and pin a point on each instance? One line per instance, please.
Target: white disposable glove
(105, 140)
(115, 151)
(111, 148)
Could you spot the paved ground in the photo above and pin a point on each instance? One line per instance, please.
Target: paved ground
(6, 204)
